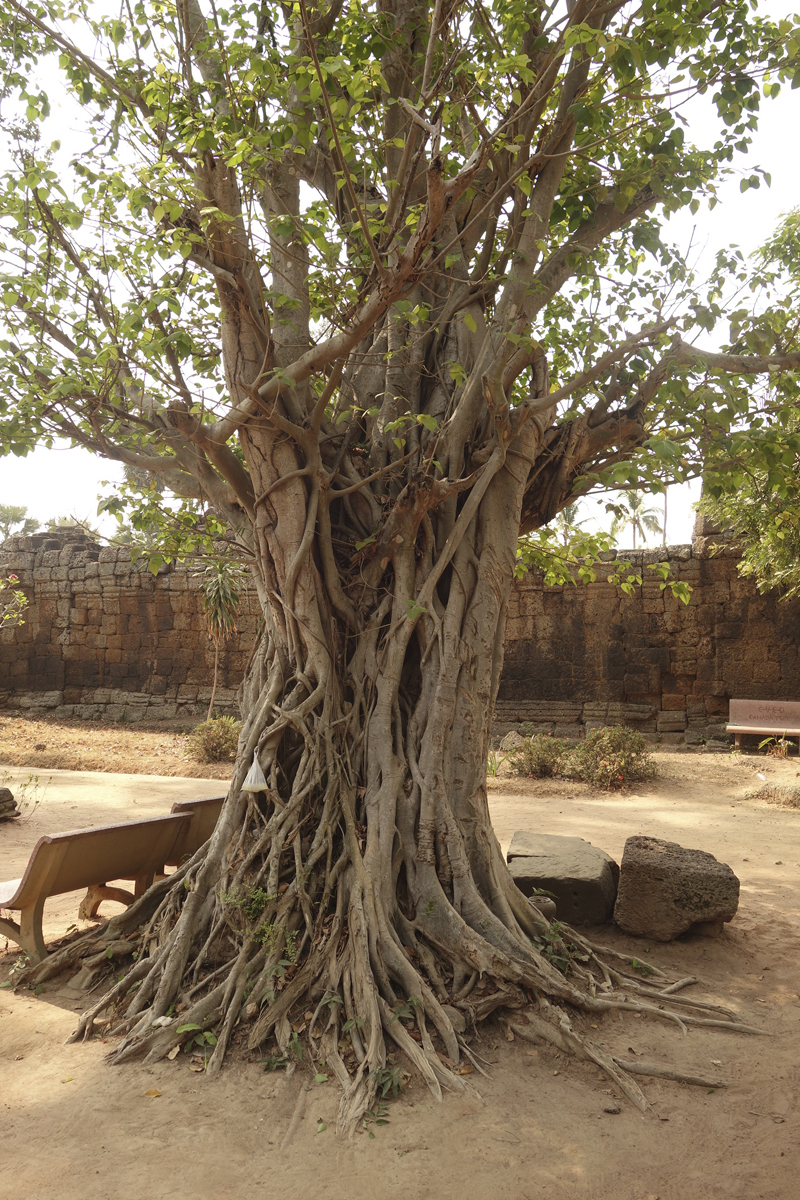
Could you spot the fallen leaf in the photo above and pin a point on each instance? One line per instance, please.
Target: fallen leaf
(196, 1066)
(153, 1092)
(174, 1052)
(464, 1071)
(69, 1079)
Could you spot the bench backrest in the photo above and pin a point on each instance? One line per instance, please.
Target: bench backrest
(65, 862)
(773, 714)
(204, 815)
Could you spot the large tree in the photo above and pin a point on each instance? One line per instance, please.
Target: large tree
(382, 284)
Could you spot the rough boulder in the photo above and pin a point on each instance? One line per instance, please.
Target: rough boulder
(666, 890)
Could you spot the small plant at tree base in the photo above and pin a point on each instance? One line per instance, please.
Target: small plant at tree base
(540, 757)
(251, 902)
(215, 740)
(389, 1079)
(274, 1062)
(612, 758)
(199, 1042)
(554, 948)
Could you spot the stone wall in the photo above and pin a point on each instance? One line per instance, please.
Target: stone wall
(579, 657)
(105, 637)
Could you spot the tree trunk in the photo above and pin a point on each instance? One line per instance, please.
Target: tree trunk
(214, 683)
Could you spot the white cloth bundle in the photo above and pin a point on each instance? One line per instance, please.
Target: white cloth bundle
(255, 781)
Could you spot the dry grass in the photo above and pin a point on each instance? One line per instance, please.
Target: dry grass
(144, 749)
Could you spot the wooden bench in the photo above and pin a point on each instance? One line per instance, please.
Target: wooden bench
(779, 718)
(86, 858)
(204, 816)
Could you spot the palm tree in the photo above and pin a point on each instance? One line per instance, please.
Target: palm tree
(566, 524)
(221, 585)
(633, 512)
(14, 519)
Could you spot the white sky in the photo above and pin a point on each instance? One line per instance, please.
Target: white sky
(68, 482)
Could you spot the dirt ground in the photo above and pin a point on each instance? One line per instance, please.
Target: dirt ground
(46, 744)
(74, 1128)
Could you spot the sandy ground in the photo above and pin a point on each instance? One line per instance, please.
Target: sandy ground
(47, 743)
(73, 1128)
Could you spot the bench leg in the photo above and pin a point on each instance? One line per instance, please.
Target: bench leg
(737, 740)
(30, 927)
(28, 934)
(95, 896)
(10, 929)
(141, 884)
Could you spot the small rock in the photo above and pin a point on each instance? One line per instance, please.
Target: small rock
(512, 741)
(665, 890)
(613, 1109)
(8, 805)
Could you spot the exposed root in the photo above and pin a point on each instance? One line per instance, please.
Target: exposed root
(297, 1115)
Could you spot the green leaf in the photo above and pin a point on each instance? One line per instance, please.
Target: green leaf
(414, 610)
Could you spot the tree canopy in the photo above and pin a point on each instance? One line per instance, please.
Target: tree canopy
(559, 145)
(379, 286)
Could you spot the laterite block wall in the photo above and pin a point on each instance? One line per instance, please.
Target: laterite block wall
(578, 657)
(104, 637)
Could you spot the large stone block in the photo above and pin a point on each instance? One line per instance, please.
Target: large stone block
(671, 721)
(581, 877)
(666, 890)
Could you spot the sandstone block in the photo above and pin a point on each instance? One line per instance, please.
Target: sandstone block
(571, 731)
(671, 722)
(718, 732)
(666, 890)
(582, 877)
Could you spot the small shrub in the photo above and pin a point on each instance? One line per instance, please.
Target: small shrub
(540, 757)
(215, 740)
(612, 758)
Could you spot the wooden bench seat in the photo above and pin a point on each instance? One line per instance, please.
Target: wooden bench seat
(87, 858)
(204, 814)
(779, 718)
